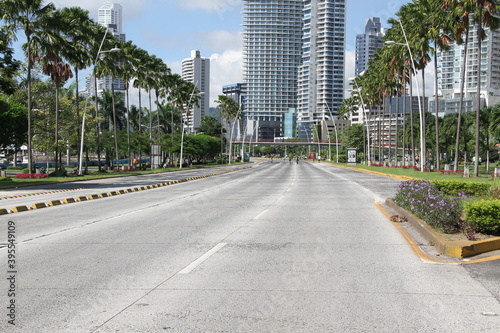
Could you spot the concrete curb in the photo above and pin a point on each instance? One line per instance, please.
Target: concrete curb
(457, 249)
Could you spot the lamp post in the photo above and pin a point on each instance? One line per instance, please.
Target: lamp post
(231, 135)
(336, 133)
(365, 117)
(99, 52)
(420, 110)
(184, 124)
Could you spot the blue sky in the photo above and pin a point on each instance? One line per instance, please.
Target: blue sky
(170, 29)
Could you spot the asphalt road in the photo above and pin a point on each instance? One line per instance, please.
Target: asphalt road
(276, 248)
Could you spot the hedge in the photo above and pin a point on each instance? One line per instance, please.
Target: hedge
(484, 215)
(460, 187)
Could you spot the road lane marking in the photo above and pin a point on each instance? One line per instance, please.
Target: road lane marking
(201, 259)
(260, 215)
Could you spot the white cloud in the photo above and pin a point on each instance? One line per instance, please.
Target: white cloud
(225, 68)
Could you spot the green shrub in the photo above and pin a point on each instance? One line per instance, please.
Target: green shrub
(428, 203)
(485, 215)
(25, 170)
(5, 179)
(456, 187)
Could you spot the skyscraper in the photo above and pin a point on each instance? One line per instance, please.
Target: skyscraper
(271, 58)
(450, 64)
(368, 43)
(293, 61)
(321, 74)
(110, 16)
(197, 70)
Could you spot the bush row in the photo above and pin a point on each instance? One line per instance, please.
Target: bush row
(456, 187)
(433, 203)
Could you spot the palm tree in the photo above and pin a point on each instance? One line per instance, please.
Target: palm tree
(129, 60)
(79, 31)
(483, 17)
(229, 110)
(29, 16)
(483, 14)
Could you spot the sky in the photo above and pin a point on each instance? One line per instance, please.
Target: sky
(170, 29)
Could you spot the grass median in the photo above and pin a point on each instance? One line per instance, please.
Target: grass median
(11, 181)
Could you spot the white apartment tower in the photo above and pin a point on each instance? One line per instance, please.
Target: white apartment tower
(450, 64)
(197, 70)
(321, 74)
(271, 58)
(110, 16)
(368, 43)
(293, 62)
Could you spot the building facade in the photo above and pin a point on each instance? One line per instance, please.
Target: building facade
(367, 44)
(197, 70)
(110, 16)
(271, 58)
(321, 74)
(293, 62)
(484, 64)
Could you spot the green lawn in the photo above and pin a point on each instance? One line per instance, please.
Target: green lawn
(424, 175)
(10, 182)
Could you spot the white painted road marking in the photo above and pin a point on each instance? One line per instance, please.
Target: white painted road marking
(201, 259)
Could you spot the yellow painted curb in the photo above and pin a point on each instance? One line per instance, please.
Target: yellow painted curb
(54, 203)
(93, 196)
(82, 198)
(4, 211)
(18, 209)
(112, 193)
(69, 200)
(102, 195)
(39, 205)
(457, 249)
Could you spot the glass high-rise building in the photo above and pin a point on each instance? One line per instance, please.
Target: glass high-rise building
(271, 58)
(368, 43)
(321, 74)
(293, 60)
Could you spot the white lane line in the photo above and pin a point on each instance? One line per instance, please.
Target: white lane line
(260, 215)
(201, 259)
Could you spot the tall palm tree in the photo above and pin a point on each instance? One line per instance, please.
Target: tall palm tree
(79, 32)
(30, 17)
(229, 110)
(129, 61)
(483, 17)
(461, 10)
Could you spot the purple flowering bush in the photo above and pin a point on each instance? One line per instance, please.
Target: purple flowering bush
(428, 203)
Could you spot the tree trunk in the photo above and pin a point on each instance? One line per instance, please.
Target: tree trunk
(478, 106)
(436, 99)
(460, 107)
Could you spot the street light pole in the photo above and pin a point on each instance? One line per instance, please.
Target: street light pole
(365, 117)
(336, 133)
(99, 52)
(421, 113)
(184, 124)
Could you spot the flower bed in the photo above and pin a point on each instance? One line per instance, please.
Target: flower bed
(31, 175)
